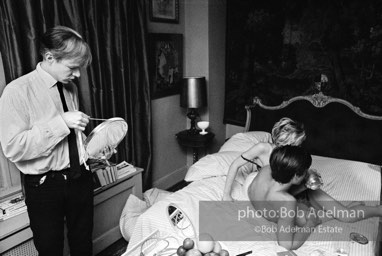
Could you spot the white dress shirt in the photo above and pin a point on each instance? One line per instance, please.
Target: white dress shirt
(33, 133)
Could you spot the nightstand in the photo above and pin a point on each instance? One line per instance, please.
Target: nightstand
(194, 141)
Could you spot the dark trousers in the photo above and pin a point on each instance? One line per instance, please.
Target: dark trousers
(57, 199)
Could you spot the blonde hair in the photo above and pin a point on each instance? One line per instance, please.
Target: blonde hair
(66, 43)
(288, 132)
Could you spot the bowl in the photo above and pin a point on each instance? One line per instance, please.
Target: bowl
(203, 125)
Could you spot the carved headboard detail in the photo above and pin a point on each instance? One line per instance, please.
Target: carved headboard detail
(334, 127)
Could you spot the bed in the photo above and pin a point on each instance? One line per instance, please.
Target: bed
(345, 144)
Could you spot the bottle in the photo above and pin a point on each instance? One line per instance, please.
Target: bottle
(313, 180)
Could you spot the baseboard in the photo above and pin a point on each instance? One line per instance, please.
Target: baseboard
(171, 179)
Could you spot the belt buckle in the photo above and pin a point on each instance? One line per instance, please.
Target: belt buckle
(42, 180)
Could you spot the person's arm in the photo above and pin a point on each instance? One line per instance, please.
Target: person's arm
(21, 140)
(252, 153)
(289, 235)
(297, 189)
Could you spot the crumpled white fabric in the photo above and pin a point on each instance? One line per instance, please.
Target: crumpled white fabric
(134, 207)
(154, 195)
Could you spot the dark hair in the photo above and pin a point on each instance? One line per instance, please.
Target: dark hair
(288, 161)
(65, 43)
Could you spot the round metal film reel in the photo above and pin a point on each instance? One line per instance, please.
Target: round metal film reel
(108, 134)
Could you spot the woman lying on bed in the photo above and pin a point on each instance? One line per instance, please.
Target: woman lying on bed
(284, 132)
(269, 194)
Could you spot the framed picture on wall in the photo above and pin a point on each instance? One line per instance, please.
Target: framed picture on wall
(164, 11)
(165, 64)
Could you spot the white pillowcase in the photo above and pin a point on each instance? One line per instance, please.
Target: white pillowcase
(217, 164)
(245, 140)
(133, 208)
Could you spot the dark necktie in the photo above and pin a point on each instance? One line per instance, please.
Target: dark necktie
(73, 151)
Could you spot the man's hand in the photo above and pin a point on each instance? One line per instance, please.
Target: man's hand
(76, 120)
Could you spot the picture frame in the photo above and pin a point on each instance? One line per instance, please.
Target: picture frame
(165, 64)
(164, 11)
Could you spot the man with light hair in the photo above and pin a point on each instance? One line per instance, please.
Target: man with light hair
(39, 131)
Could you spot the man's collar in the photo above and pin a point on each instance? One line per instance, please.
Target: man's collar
(48, 80)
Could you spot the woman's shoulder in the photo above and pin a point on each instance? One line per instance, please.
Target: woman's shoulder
(260, 150)
(264, 146)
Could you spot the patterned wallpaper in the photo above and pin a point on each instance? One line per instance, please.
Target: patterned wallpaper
(278, 49)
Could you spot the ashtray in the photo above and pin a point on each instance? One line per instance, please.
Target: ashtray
(357, 237)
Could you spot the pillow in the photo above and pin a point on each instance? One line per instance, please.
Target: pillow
(348, 180)
(133, 208)
(245, 140)
(154, 195)
(216, 164)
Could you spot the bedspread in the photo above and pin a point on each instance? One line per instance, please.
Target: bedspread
(343, 180)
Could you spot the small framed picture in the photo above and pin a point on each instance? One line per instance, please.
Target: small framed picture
(165, 64)
(164, 11)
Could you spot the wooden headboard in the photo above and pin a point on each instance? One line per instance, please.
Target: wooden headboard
(334, 127)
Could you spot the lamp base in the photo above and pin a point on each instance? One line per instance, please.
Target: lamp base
(193, 131)
(193, 114)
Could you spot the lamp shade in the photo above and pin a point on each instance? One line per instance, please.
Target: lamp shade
(193, 92)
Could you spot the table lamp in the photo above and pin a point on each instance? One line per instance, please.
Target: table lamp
(193, 96)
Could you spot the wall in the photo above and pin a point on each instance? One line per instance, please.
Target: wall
(168, 118)
(202, 23)
(197, 50)
(216, 65)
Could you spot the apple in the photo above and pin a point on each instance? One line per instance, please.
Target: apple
(206, 243)
(224, 252)
(206, 246)
(188, 243)
(217, 247)
(193, 252)
(211, 254)
(181, 251)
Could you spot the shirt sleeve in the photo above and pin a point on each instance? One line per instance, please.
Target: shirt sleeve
(21, 140)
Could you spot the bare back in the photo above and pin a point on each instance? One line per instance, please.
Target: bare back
(261, 152)
(263, 195)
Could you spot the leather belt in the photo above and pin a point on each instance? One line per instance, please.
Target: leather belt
(65, 174)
